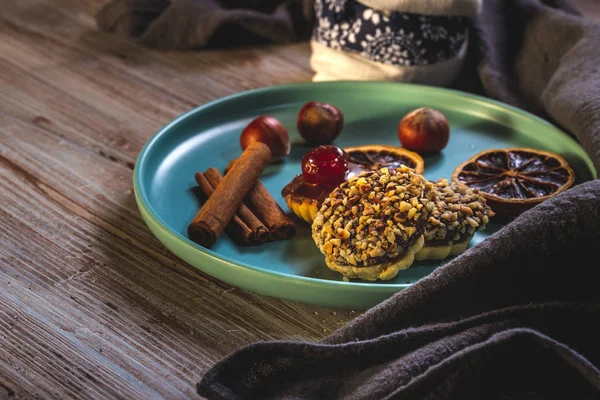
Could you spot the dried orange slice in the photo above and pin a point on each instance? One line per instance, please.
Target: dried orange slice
(305, 199)
(374, 157)
(515, 179)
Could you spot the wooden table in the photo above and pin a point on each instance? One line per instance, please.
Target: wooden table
(91, 304)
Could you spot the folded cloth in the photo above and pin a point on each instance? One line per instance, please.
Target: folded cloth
(514, 317)
(189, 24)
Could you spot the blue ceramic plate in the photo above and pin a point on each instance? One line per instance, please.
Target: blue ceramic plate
(208, 136)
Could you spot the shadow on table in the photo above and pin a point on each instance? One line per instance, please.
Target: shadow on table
(198, 60)
(182, 310)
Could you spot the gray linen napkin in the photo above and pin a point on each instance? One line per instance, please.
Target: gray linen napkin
(189, 24)
(514, 317)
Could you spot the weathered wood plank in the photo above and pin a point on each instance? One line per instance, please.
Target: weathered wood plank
(91, 304)
(111, 104)
(116, 291)
(71, 110)
(197, 75)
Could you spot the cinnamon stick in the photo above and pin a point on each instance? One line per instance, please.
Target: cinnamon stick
(265, 207)
(219, 209)
(245, 229)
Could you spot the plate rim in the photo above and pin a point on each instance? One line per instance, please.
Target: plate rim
(380, 287)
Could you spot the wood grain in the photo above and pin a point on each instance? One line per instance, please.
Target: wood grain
(91, 304)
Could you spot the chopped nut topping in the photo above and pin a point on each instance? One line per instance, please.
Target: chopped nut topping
(336, 242)
(374, 217)
(404, 206)
(457, 214)
(472, 222)
(343, 233)
(411, 213)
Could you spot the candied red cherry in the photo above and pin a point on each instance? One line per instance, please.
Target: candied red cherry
(325, 165)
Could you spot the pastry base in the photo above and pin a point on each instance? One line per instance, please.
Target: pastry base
(307, 210)
(440, 252)
(383, 271)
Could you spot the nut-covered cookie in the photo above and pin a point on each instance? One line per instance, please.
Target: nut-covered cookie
(453, 220)
(370, 226)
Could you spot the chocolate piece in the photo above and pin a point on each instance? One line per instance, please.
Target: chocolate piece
(299, 189)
